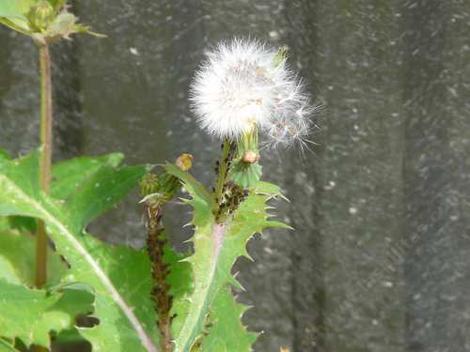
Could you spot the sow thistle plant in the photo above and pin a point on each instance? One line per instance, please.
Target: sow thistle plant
(58, 283)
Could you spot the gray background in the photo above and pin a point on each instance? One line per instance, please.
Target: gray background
(380, 259)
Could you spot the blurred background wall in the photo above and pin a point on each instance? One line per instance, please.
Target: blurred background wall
(380, 257)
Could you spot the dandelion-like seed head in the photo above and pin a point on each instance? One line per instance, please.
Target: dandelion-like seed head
(242, 85)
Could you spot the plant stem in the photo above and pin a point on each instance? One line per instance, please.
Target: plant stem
(46, 116)
(156, 242)
(45, 158)
(222, 172)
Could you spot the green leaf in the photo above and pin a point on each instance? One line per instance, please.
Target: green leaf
(216, 248)
(13, 8)
(31, 315)
(5, 346)
(13, 14)
(69, 175)
(4, 224)
(17, 256)
(180, 274)
(22, 224)
(119, 276)
(17, 24)
(226, 333)
(246, 175)
(91, 186)
(4, 154)
(129, 272)
(68, 336)
(86, 186)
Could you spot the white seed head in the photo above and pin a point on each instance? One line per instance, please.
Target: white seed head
(244, 84)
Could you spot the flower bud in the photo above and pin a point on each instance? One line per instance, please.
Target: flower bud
(148, 184)
(250, 157)
(41, 15)
(281, 56)
(184, 161)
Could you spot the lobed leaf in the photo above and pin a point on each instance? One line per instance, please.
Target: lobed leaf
(226, 332)
(129, 272)
(119, 276)
(216, 248)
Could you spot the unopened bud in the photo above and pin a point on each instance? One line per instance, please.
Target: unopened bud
(148, 184)
(184, 161)
(250, 157)
(41, 15)
(281, 55)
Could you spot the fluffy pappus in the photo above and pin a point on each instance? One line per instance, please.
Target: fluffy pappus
(243, 84)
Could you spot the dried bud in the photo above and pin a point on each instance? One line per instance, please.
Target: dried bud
(184, 161)
(250, 157)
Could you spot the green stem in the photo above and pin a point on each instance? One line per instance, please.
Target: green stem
(45, 158)
(222, 173)
(222, 170)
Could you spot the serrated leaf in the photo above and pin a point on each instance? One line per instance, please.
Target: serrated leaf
(216, 247)
(122, 290)
(31, 315)
(129, 272)
(225, 332)
(268, 189)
